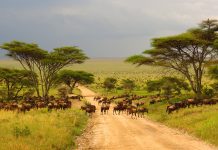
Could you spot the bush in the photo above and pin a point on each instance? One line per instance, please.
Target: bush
(18, 131)
(62, 92)
(208, 92)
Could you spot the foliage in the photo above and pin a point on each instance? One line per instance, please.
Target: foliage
(45, 63)
(17, 131)
(187, 53)
(62, 92)
(109, 83)
(215, 86)
(154, 85)
(14, 81)
(128, 84)
(208, 92)
(213, 72)
(169, 86)
(71, 78)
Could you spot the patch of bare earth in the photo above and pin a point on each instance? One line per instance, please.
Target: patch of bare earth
(120, 132)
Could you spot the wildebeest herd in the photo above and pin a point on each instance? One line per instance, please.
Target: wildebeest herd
(126, 105)
(36, 103)
(189, 102)
(131, 105)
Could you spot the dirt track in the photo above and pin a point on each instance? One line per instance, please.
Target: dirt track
(120, 132)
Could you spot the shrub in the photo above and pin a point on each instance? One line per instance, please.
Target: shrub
(19, 131)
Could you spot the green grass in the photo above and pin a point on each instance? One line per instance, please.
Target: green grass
(41, 130)
(199, 121)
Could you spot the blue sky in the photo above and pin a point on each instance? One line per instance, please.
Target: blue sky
(102, 28)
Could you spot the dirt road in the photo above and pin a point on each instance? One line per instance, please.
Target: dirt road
(120, 132)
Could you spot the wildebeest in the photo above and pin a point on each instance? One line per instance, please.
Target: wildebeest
(76, 97)
(152, 102)
(23, 107)
(120, 107)
(141, 111)
(132, 110)
(171, 108)
(208, 102)
(105, 108)
(192, 102)
(89, 109)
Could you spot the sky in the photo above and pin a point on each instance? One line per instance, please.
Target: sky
(102, 28)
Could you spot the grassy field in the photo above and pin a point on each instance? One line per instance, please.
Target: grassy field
(201, 122)
(41, 130)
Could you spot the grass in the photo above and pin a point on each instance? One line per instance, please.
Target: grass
(199, 121)
(41, 130)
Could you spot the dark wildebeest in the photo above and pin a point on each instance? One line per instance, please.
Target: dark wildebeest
(152, 102)
(105, 108)
(89, 109)
(141, 111)
(132, 110)
(208, 102)
(193, 102)
(171, 108)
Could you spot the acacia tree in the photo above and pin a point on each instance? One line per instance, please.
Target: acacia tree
(109, 83)
(128, 84)
(168, 85)
(45, 63)
(71, 78)
(187, 53)
(14, 81)
(154, 85)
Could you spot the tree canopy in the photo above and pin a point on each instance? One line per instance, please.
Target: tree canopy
(109, 83)
(14, 81)
(128, 84)
(71, 78)
(167, 85)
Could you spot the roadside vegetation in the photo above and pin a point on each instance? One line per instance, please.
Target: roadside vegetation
(40, 129)
(35, 110)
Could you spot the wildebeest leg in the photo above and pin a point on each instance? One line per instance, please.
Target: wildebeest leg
(114, 111)
(102, 111)
(143, 115)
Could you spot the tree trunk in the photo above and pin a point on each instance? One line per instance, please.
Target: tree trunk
(8, 90)
(72, 87)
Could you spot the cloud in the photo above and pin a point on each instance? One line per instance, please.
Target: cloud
(113, 28)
